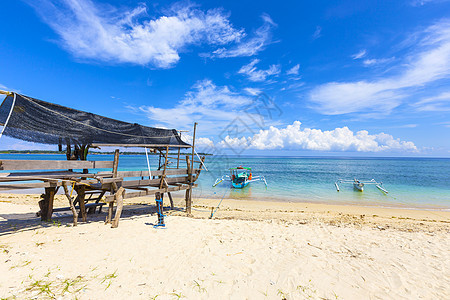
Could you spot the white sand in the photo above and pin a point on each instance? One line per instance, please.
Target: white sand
(300, 257)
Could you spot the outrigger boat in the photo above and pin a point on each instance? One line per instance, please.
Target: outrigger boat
(240, 177)
(359, 185)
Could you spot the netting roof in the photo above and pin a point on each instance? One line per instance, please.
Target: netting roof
(38, 121)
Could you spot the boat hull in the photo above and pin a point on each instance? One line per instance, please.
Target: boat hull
(358, 186)
(240, 185)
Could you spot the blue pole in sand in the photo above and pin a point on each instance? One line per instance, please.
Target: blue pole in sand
(159, 209)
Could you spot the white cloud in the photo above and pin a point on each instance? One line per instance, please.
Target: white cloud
(251, 45)
(317, 33)
(340, 139)
(213, 107)
(377, 61)
(423, 2)
(360, 54)
(254, 74)
(105, 33)
(440, 102)
(294, 70)
(427, 63)
(253, 91)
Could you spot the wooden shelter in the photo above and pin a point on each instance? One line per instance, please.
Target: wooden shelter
(96, 183)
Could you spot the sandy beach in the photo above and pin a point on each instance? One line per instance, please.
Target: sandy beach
(249, 250)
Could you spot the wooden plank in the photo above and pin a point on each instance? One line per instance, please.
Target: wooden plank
(9, 164)
(88, 205)
(33, 185)
(45, 176)
(143, 193)
(152, 182)
(145, 173)
(24, 186)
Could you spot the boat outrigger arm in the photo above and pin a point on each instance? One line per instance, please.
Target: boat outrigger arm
(228, 178)
(359, 184)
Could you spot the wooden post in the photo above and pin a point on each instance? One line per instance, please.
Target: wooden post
(171, 200)
(192, 169)
(118, 196)
(179, 152)
(50, 192)
(72, 207)
(188, 191)
(113, 185)
(115, 163)
(43, 205)
(81, 196)
(163, 177)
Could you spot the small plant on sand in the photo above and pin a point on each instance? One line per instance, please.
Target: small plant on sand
(199, 287)
(282, 294)
(4, 248)
(178, 295)
(306, 290)
(39, 244)
(56, 223)
(109, 277)
(23, 264)
(42, 287)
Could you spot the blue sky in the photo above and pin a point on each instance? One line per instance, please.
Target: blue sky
(271, 77)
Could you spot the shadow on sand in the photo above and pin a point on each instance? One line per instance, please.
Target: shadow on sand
(19, 222)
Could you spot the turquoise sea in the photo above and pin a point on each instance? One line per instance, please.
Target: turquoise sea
(411, 182)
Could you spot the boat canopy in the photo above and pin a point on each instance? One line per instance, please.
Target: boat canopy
(241, 168)
(34, 120)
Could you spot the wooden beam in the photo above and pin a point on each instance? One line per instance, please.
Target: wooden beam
(146, 192)
(9, 164)
(169, 172)
(153, 182)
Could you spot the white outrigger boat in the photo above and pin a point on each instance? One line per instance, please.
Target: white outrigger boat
(359, 184)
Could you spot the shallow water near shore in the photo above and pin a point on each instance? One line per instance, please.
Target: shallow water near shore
(412, 182)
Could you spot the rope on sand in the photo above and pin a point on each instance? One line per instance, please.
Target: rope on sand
(214, 211)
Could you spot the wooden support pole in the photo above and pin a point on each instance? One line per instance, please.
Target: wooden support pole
(190, 170)
(114, 187)
(72, 207)
(188, 191)
(50, 197)
(81, 196)
(171, 200)
(119, 203)
(179, 151)
(43, 205)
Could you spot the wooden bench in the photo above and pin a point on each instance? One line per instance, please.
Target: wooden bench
(142, 183)
(113, 186)
(54, 174)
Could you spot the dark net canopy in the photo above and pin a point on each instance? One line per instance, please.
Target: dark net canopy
(43, 122)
